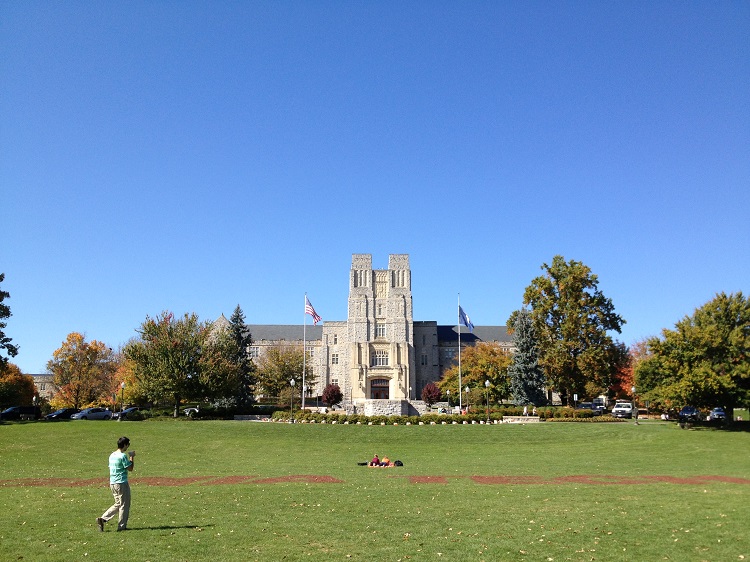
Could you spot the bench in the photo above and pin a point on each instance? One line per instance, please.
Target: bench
(520, 419)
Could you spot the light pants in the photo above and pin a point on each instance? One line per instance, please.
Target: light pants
(121, 492)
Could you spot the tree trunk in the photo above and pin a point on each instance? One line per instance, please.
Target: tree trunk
(176, 406)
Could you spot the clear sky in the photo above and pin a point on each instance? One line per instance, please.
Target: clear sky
(192, 156)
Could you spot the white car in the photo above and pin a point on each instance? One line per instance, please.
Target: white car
(622, 410)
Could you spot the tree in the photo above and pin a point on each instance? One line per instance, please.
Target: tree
(332, 395)
(5, 345)
(83, 371)
(704, 361)
(183, 359)
(278, 366)
(526, 376)
(246, 368)
(572, 319)
(431, 394)
(16, 389)
(479, 363)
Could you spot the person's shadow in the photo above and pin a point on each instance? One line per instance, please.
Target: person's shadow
(168, 527)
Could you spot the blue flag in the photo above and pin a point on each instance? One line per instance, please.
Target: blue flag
(465, 320)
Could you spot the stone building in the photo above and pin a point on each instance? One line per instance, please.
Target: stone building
(379, 353)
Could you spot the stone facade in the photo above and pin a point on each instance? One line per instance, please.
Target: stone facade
(379, 356)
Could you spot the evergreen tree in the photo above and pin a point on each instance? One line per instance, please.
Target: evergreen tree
(5, 344)
(526, 376)
(244, 340)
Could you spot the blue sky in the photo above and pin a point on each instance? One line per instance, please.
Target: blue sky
(191, 156)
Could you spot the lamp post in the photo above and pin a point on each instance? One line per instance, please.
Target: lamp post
(487, 393)
(448, 398)
(291, 401)
(467, 398)
(122, 396)
(635, 406)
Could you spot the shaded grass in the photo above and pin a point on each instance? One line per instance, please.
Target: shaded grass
(379, 513)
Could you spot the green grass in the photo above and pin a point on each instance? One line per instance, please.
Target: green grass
(379, 514)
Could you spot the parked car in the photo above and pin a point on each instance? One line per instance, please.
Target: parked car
(717, 414)
(61, 414)
(125, 413)
(599, 406)
(623, 410)
(191, 411)
(92, 414)
(689, 414)
(21, 413)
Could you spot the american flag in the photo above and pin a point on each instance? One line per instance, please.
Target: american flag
(311, 311)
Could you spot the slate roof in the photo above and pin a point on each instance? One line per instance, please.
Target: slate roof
(446, 334)
(288, 332)
(449, 334)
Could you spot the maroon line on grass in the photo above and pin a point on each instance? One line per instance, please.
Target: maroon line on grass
(525, 480)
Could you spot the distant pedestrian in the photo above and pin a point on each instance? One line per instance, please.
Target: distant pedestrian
(533, 411)
(119, 466)
(525, 411)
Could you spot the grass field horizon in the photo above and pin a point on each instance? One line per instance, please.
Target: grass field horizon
(269, 491)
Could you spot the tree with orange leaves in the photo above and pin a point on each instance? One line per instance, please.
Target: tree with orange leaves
(83, 371)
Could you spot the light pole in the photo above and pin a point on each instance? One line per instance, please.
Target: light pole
(635, 406)
(122, 396)
(487, 392)
(467, 398)
(291, 401)
(448, 397)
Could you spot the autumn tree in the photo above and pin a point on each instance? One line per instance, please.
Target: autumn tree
(183, 359)
(16, 389)
(527, 384)
(5, 346)
(278, 366)
(430, 394)
(704, 360)
(479, 363)
(83, 371)
(332, 395)
(573, 320)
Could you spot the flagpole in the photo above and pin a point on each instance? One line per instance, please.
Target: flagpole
(304, 349)
(460, 390)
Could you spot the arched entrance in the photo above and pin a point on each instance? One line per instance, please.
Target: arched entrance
(379, 389)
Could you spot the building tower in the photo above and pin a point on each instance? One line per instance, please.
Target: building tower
(380, 329)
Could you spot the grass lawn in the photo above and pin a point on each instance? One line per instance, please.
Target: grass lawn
(548, 491)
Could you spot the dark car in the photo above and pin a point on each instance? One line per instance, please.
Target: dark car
(21, 413)
(717, 414)
(689, 414)
(125, 413)
(61, 414)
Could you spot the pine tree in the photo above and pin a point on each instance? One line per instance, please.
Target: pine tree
(5, 344)
(244, 340)
(526, 376)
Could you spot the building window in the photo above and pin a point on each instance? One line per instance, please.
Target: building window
(380, 310)
(253, 351)
(335, 381)
(335, 339)
(424, 359)
(380, 330)
(310, 352)
(334, 359)
(380, 358)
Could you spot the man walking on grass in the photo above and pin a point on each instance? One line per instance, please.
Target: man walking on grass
(119, 466)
